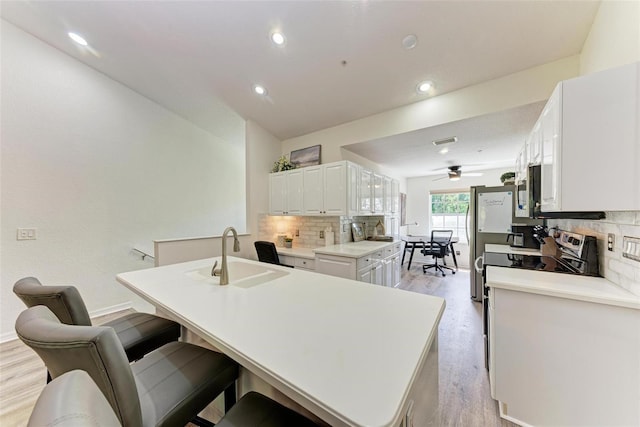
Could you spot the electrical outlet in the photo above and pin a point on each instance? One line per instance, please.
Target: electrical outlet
(322, 234)
(297, 232)
(611, 240)
(26, 234)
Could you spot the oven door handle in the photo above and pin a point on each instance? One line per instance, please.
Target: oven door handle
(475, 264)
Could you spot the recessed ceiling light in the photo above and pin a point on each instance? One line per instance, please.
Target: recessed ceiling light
(277, 38)
(410, 41)
(424, 87)
(78, 39)
(444, 150)
(260, 90)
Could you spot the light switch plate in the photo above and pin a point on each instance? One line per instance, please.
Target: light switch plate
(611, 241)
(631, 248)
(26, 234)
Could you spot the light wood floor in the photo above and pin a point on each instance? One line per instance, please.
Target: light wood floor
(465, 399)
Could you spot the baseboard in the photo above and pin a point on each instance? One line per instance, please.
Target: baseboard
(112, 309)
(10, 336)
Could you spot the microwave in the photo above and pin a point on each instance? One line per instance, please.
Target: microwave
(529, 198)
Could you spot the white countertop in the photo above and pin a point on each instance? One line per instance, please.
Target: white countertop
(353, 249)
(297, 252)
(506, 249)
(583, 288)
(346, 350)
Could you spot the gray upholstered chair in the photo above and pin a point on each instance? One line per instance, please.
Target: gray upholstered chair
(168, 387)
(72, 400)
(139, 333)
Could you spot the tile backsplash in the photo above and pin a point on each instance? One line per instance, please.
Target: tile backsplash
(613, 266)
(305, 230)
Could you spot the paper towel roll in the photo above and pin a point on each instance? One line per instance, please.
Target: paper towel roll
(328, 238)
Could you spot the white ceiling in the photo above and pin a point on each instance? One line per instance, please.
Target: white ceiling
(200, 59)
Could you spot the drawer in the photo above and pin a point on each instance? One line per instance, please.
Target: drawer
(392, 250)
(309, 264)
(286, 259)
(365, 261)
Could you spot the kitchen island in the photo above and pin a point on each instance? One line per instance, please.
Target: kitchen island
(351, 354)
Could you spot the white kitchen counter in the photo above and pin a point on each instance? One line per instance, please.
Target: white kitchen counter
(297, 252)
(506, 249)
(353, 249)
(583, 288)
(347, 351)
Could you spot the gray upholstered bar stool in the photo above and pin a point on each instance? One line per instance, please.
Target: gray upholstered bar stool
(168, 387)
(73, 399)
(139, 333)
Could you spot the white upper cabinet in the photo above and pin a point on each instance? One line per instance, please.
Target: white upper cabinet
(550, 136)
(353, 189)
(285, 193)
(378, 194)
(313, 193)
(386, 186)
(336, 189)
(366, 182)
(325, 189)
(591, 143)
(534, 145)
(395, 197)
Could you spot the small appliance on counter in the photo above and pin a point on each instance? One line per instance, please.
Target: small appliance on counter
(522, 236)
(579, 251)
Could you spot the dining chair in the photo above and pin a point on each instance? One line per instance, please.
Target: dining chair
(168, 387)
(439, 247)
(139, 333)
(73, 399)
(268, 253)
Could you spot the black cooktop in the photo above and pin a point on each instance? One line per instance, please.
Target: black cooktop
(532, 262)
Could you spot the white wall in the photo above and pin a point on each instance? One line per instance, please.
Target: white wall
(99, 169)
(614, 38)
(262, 150)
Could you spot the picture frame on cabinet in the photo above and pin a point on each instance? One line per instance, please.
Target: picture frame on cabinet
(303, 157)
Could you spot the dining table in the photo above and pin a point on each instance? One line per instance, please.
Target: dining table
(411, 242)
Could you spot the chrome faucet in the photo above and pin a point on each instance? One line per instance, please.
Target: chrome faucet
(224, 271)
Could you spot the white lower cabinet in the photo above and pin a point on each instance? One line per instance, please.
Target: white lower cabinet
(559, 361)
(298, 262)
(338, 266)
(379, 268)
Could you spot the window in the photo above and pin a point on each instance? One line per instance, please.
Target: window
(449, 211)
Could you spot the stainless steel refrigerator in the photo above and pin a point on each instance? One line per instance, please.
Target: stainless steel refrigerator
(489, 218)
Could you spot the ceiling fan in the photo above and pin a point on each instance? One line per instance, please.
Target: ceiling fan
(454, 173)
